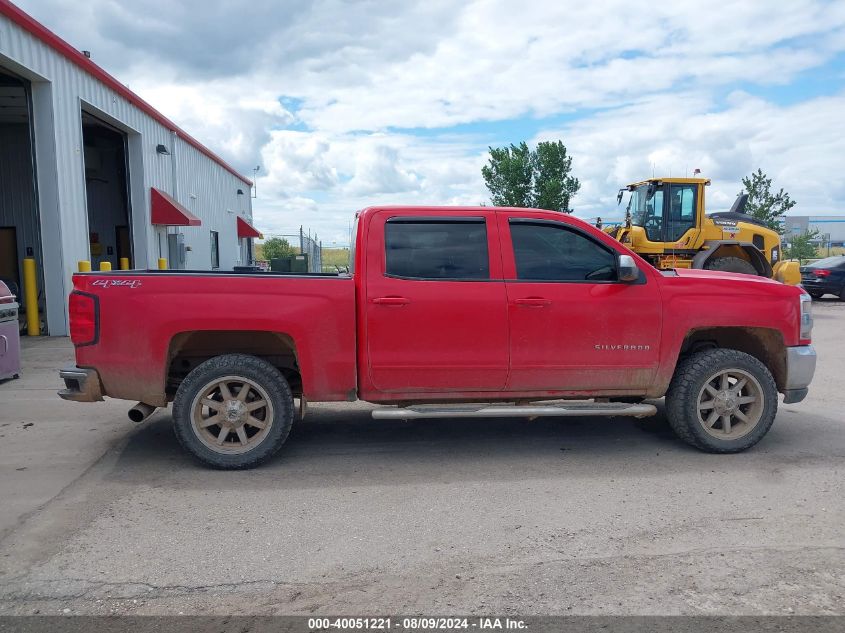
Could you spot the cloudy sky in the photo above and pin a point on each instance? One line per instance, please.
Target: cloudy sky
(347, 104)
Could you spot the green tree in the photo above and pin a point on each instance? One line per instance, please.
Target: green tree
(541, 178)
(801, 246)
(277, 247)
(762, 203)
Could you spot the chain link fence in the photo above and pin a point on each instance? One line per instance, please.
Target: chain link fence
(313, 248)
(302, 243)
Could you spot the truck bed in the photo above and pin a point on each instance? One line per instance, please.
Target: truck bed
(143, 314)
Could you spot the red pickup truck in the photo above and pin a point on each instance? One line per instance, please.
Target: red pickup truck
(445, 312)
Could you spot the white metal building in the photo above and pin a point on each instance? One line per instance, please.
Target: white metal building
(831, 228)
(90, 171)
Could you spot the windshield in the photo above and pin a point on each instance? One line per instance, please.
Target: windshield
(646, 208)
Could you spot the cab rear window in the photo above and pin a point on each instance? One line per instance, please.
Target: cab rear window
(442, 249)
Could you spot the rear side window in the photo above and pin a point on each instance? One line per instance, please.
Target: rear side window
(442, 249)
(215, 249)
(551, 252)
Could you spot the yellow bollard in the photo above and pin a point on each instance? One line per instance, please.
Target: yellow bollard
(30, 296)
(162, 263)
(105, 266)
(124, 263)
(84, 266)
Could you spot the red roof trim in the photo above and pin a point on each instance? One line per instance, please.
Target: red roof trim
(164, 210)
(245, 229)
(30, 24)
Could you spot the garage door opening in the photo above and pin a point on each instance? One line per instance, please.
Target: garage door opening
(107, 192)
(20, 235)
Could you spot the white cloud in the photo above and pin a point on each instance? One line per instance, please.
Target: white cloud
(233, 119)
(674, 134)
(378, 170)
(347, 172)
(643, 84)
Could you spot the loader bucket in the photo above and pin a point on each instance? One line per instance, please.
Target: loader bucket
(787, 272)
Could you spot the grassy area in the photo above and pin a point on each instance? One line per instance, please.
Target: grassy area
(335, 257)
(821, 253)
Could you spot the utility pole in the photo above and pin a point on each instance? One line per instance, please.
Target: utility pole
(255, 181)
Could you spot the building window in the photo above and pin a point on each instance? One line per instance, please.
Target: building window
(215, 250)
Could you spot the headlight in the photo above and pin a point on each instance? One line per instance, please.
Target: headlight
(775, 254)
(806, 316)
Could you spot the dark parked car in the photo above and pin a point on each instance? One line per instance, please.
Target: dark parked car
(826, 276)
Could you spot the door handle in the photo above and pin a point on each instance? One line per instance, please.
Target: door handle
(533, 302)
(391, 301)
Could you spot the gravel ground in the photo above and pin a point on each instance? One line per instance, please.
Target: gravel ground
(356, 516)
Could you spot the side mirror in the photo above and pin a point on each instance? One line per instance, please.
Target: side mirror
(619, 196)
(626, 268)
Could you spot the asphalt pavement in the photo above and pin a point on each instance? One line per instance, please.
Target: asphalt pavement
(357, 516)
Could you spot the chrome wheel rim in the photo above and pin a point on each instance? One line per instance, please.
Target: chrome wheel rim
(730, 404)
(232, 415)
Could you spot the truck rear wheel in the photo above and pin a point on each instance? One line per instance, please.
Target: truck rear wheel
(721, 400)
(233, 411)
(730, 265)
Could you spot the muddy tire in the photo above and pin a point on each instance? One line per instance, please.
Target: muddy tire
(233, 411)
(721, 401)
(730, 265)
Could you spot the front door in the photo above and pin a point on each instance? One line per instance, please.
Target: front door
(680, 226)
(436, 311)
(573, 326)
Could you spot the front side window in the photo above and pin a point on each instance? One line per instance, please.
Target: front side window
(552, 252)
(442, 249)
(215, 250)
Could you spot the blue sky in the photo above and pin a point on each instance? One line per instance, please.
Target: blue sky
(349, 104)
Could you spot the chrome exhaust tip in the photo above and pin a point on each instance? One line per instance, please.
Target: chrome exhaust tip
(141, 412)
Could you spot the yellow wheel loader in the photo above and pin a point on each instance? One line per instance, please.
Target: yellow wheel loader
(665, 223)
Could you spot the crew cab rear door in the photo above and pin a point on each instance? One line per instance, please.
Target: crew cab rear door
(436, 309)
(573, 325)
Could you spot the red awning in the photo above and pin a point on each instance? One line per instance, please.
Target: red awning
(166, 211)
(245, 229)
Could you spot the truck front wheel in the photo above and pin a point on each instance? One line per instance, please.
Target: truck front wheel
(721, 400)
(233, 411)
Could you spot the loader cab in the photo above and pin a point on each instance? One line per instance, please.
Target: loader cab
(669, 211)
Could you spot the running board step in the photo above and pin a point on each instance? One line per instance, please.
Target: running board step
(592, 409)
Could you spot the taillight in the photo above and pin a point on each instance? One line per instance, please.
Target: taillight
(822, 272)
(805, 310)
(84, 310)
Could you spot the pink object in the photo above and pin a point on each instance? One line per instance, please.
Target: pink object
(10, 342)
